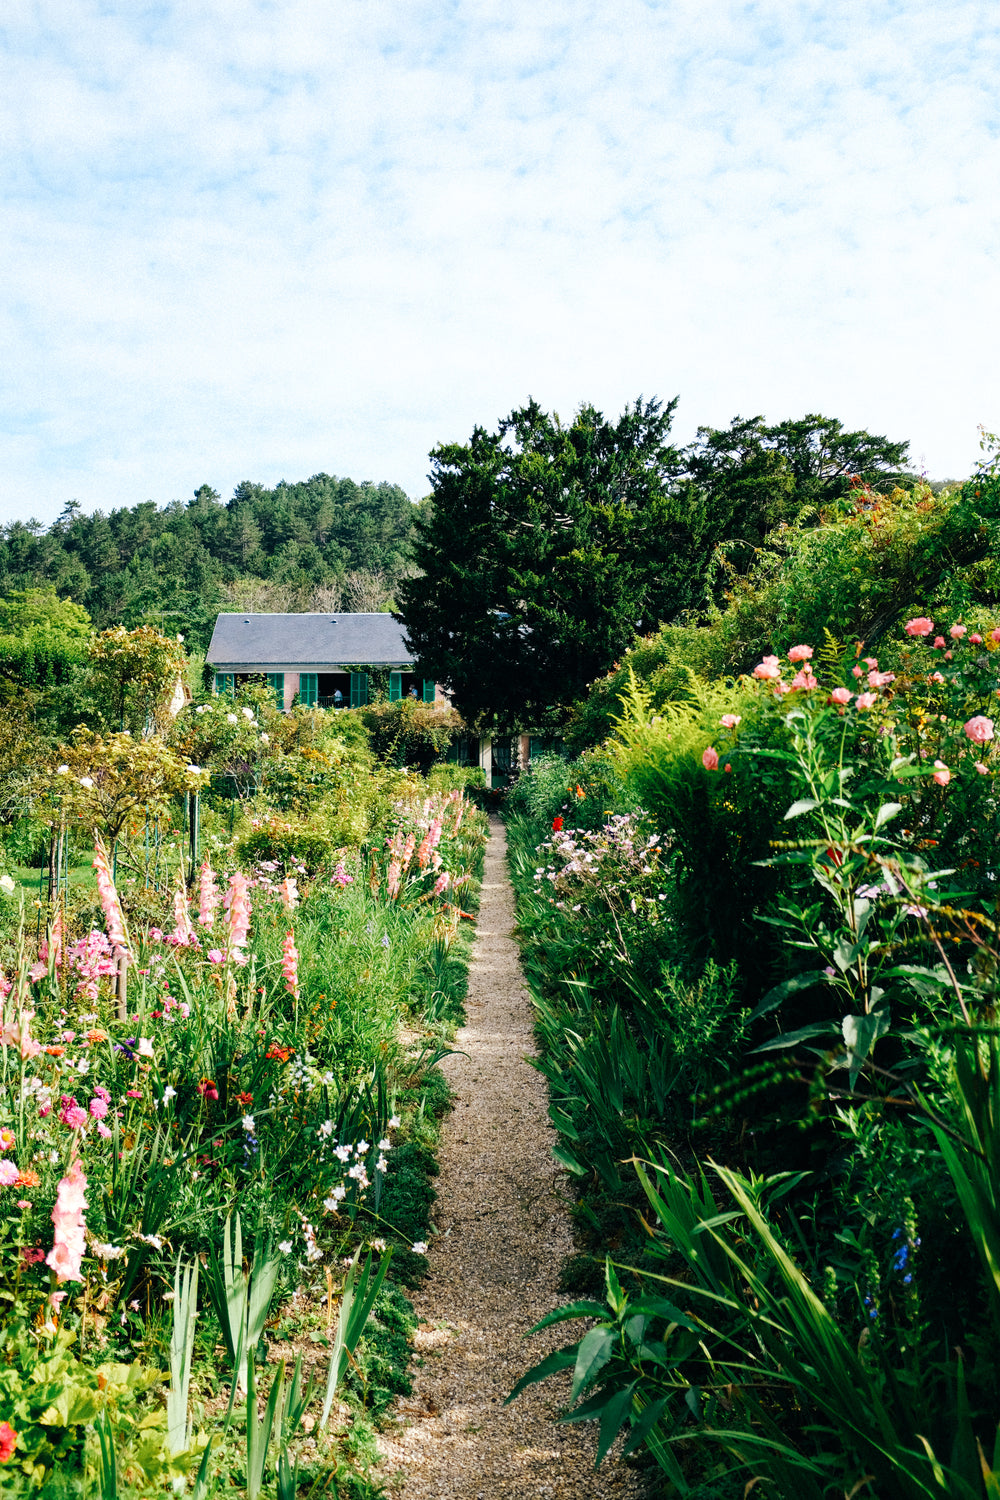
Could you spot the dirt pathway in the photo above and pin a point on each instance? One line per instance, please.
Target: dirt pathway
(502, 1232)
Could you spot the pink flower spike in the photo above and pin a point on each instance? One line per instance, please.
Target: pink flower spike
(866, 700)
(290, 964)
(800, 653)
(768, 669)
(941, 775)
(804, 680)
(979, 729)
(208, 895)
(710, 759)
(957, 631)
(919, 626)
(841, 695)
(67, 1218)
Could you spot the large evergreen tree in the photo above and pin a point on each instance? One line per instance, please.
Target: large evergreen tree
(546, 548)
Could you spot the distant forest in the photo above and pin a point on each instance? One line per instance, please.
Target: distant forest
(327, 544)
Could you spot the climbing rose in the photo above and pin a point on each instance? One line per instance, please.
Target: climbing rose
(710, 759)
(919, 626)
(979, 729)
(67, 1217)
(800, 653)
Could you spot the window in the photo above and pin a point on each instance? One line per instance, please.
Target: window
(308, 689)
(225, 684)
(359, 689)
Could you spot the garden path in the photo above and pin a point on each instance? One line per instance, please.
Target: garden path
(502, 1232)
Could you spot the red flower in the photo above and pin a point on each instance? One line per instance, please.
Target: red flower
(557, 824)
(8, 1442)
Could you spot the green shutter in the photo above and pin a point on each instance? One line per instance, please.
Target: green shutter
(395, 686)
(429, 688)
(308, 689)
(359, 689)
(225, 684)
(276, 681)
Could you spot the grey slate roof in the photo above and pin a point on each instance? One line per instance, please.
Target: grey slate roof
(281, 643)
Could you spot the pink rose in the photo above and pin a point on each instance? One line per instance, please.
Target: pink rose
(919, 626)
(710, 759)
(780, 688)
(215, 956)
(935, 677)
(975, 639)
(979, 729)
(867, 700)
(938, 642)
(768, 668)
(800, 653)
(730, 721)
(957, 631)
(841, 695)
(941, 775)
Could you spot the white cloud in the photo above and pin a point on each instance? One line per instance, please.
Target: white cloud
(263, 239)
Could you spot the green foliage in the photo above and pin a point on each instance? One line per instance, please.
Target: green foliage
(547, 545)
(410, 733)
(43, 639)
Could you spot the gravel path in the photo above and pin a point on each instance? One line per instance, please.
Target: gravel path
(502, 1232)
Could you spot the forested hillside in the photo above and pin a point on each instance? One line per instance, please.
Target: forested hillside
(325, 543)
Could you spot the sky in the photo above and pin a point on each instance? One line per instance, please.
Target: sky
(264, 239)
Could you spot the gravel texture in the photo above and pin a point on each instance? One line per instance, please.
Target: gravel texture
(502, 1230)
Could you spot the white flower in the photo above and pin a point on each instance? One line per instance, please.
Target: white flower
(151, 1239)
(326, 1128)
(7, 885)
(381, 1165)
(180, 638)
(201, 709)
(145, 1047)
(195, 770)
(248, 1123)
(169, 1093)
(285, 1246)
(265, 739)
(87, 781)
(342, 1153)
(385, 1145)
(395, 1123)
(231, 719)
(247, 713)
(420, 1247)
(83, 1066)
(378, 1245)
(62, 770)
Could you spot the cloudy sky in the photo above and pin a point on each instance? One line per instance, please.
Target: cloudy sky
(260, 239)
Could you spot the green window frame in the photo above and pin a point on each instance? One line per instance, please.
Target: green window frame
(395, 686)
(225, 684)
(359, 689)
(308, 689)
(430, 688)
(276, 682)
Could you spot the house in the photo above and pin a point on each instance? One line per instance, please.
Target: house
(316, 657)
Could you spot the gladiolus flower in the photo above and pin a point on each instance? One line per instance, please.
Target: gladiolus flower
(237, 901)
(941, 774)
(730, 721)
(67, 1218)
(841, 695)
(767, 669)
(867, 700)
(290, 964)
(710, 759)
(979, 729)
(957, 631)
(289, 893)
(800, 653)
(208, 896)
(113, 916)
(804, 680)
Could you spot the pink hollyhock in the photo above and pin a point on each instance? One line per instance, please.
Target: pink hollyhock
(767, 669)
(919, 626)
(941, 774)
(113, 916)
(867, 700)
(841, 695)
(804, 680)
(710, 759)
(67, 1217)
(290, 964)
(957, 631)
(730, 721)
(800, 653)
(208, 895)
(979, 729)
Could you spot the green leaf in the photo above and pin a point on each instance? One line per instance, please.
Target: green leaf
(613, 1418)
(584, 1309)
(552, 1364)
(593, 1353)
(792, 1038)
(861, 1033)
(774, 997)
(804, 805)
(887, 811)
